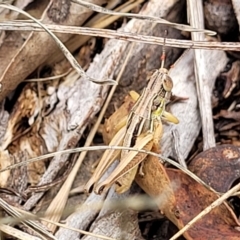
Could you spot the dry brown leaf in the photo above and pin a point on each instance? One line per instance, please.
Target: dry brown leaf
(22, 139)
(6, 160)
(182, 198)
(232, 78)
(221, 161)
(229, 115)
(26, 107)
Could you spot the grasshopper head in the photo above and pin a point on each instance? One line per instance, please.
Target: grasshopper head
(163, 96)
(167, 82)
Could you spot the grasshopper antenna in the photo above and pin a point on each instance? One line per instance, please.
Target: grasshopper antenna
(163, 57)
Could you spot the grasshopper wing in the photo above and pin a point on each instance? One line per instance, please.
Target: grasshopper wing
(126, 164)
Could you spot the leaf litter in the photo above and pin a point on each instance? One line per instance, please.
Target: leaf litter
(38, 118)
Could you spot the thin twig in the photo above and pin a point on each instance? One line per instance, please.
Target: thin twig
(48, 78)
(179, 155)
(182, 27)
(94, 148)
(120, 35)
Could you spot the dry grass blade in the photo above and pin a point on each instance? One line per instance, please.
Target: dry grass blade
(17, 233)
(143, 17)
(93, 148)
(31, 216)
(137, 203)
(37, 228)
(48, 78)
(126, 36)
(216, 203)
(106, 19)
(65, 51)
(77, 230)
(180, 157)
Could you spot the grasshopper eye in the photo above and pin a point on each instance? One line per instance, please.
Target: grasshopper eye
(154, 107)
(167, 84)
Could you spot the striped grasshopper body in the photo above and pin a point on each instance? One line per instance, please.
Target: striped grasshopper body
(138, 132)
(149, 107)
(139, 120)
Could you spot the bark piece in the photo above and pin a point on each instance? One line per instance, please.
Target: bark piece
(40, 45)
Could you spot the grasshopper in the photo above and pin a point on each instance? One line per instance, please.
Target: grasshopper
(138, 132)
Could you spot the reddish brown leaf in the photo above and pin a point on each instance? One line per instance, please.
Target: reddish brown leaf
(181, 198)
(229, 114)
(232, 77)
(218, 167)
